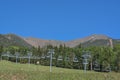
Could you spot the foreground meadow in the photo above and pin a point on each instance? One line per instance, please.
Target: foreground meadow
(13, 71)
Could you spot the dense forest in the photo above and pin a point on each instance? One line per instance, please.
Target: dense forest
(102, 58)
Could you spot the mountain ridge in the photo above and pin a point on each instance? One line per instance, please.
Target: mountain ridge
(92, 40)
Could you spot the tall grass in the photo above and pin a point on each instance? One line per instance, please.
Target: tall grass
(13, 71)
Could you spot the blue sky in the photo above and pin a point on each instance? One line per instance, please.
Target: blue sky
(60, 19)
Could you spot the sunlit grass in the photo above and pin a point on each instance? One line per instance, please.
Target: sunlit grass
(13, 71)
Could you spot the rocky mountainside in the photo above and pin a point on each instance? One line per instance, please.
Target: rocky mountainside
(93, 40)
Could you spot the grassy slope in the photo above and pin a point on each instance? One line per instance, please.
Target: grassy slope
(12, 71)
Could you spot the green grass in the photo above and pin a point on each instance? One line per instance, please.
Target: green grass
(13, 71)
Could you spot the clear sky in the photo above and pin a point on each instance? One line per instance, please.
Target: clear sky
(60, 19)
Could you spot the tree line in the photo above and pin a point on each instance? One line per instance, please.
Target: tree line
(102, 58)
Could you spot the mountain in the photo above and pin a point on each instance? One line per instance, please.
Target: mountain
(4, 41)
(93, 40)
(42, 43)
(13, 40)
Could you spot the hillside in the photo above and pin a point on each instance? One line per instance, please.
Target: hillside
(42, 43)
(13, 40)
(11, 71)
(87, 40)
(93, 40)
(4, 41)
